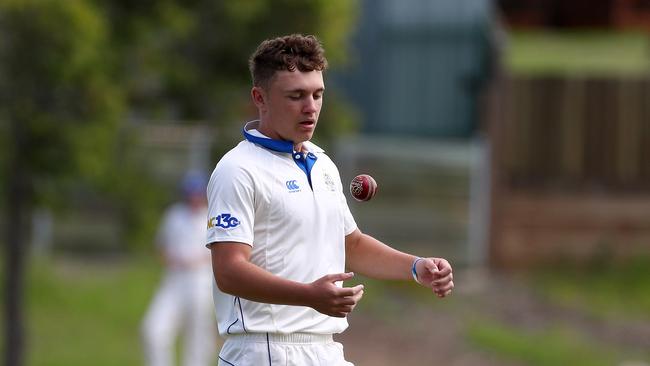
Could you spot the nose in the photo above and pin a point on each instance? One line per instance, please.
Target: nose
(310, 105)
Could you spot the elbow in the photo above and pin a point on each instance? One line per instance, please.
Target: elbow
(229, 265)
(226, 283)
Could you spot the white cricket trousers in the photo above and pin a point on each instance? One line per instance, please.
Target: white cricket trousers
(182, 306)
(296, 349)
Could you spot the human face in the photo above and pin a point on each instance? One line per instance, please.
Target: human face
(289, 105)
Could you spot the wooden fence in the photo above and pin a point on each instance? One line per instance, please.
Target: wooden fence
(577, 135)
(571, 170)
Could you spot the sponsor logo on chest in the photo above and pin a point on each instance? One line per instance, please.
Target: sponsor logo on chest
(292, 186)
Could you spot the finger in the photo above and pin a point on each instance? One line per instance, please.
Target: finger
(350, 291)
(341, 311)
(445, 285)
(357, 289)
(357, 296)
(444, 288)
(352, 299)
(350, 308)
(443, 272)
(444, 294)
(335, 277)
(345, 308)
(346, 301)
(443, 280)
(442, 263)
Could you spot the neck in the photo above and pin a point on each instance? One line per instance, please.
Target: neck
(266, 131)
(270, 133)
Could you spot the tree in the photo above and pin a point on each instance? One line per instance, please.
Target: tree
(61, 107)
(187, 59)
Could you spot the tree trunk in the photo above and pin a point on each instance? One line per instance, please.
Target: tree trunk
(18, 199)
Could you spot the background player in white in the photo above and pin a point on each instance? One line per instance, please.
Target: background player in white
(279, 228)
(183, 302)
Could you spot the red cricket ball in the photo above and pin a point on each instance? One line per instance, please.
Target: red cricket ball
(363, 187)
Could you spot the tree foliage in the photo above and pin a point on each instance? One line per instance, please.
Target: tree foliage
(188, 59)
(60, 105)
(70, 70)
(57, 89)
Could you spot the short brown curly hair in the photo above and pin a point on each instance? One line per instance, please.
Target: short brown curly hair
(295, 51)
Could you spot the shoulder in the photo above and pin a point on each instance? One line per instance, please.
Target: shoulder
(243, 155)
(237, 159)
(317, 150)
(237, 165)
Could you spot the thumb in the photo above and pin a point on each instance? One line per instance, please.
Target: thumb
(430, 266)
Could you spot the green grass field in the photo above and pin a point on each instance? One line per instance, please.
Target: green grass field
(83, 312)
(87, 313)
(620, 291)
(552, 347)
(606, 293)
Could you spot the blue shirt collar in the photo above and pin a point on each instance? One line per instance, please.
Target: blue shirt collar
(251, 134)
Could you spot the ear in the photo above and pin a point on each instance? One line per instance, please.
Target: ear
(259, 97)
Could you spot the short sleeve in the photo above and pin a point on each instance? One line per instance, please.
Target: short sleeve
(231, 199)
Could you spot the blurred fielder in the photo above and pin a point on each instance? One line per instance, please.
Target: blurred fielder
(183, 301)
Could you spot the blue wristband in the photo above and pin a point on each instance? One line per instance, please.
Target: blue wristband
(414, 272)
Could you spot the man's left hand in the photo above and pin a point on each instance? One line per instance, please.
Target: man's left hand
(436, 273)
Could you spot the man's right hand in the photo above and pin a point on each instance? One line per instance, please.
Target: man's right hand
(329, 299)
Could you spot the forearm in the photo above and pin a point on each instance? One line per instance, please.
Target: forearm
(370, 257)
(236, 275)
(244, 279)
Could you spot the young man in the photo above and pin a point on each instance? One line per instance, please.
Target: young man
(279, 228)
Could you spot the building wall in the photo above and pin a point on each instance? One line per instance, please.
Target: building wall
(420, 66)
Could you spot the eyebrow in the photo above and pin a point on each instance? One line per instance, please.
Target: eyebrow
(299, 90)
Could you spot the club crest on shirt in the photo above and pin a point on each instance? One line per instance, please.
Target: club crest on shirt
(329, 182)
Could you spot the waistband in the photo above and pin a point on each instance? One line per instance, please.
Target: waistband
(302, 338)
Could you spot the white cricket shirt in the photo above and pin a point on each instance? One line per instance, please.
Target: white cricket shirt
(290, 208)
(182, 233)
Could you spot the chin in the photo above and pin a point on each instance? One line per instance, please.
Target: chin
(302, 138)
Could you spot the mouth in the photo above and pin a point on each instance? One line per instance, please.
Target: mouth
(308, 124)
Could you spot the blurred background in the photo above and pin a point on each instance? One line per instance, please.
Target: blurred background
(511, 137)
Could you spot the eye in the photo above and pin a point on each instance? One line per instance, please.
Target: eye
(294, 96)
(318, 95)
